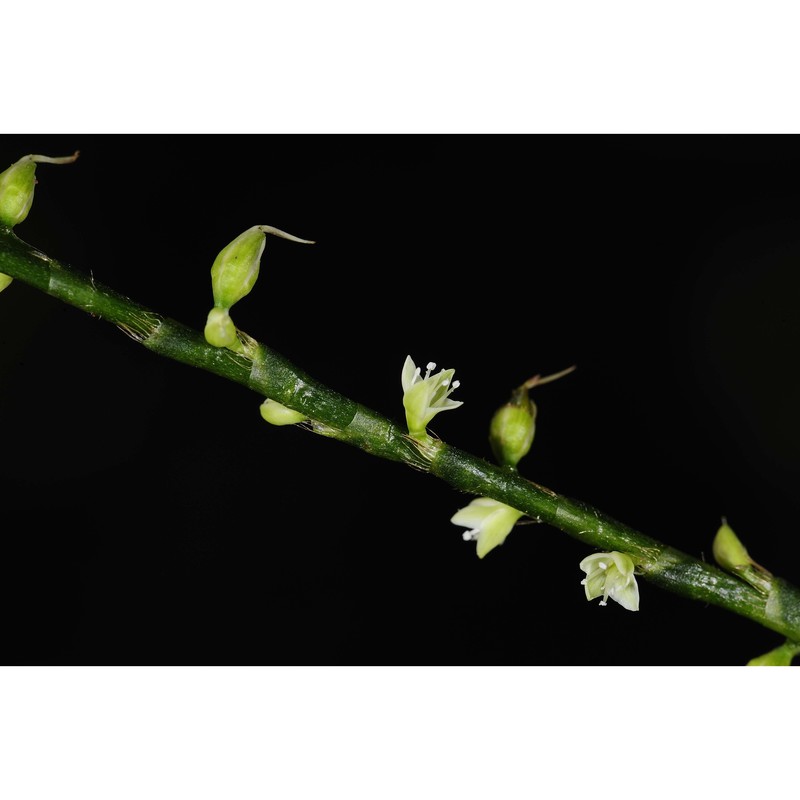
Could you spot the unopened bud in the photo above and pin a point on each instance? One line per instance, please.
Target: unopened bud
(4, 280)
(233, 275)
(513, 425)
(220, 330)
(512, 428)
(781, 656)
(17, 184)
(277, 414)
(728, 551)
(732, 556)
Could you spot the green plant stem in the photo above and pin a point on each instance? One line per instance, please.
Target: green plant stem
(270, 375)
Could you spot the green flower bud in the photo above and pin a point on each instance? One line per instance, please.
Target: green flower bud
(512, 428)
(220, 330)
(236, 268)
(728, 551)
(276, 414)
(513, 425)
(233, 275)
(17, 184)
(781, 656)
(732, 556)
(5, 280)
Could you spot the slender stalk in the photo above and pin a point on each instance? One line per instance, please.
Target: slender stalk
(334, 415)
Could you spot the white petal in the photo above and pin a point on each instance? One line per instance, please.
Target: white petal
(409, 368)
(628, 597)
(594, 584)
(588, 563)
(475, 514)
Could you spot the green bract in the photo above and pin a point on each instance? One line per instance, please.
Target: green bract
(611, 575)
(424, 398)
(490, 522)
(17, 184)
(5, 280)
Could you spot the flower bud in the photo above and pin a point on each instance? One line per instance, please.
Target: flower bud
(781, 656)
(235, 269)
(233, 275)
(732, 556)
(513, 425)
(220, 330)
(512, 428)
(17, 184)
(277, 414)
(728, 551)
(4, 280)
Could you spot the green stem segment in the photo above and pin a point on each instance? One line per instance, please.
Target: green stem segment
(270, 375)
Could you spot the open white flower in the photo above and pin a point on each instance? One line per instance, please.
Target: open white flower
(611, 575)
(489, 521)
(425, 397)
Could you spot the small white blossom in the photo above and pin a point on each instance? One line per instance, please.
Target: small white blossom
(489, 521)
(611, 575)
(425, 397)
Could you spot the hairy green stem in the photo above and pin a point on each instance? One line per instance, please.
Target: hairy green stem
(330, 413)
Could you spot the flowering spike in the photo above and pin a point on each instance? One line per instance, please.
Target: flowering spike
(233, 275)
(489, 522)
(611, 575)
(425, 397)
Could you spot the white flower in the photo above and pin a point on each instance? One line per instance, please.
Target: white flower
(611, 575)
(490, 521)
(424, 398)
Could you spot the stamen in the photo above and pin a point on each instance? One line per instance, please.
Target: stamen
(456, 384)
(603, 603)
(602, 565)
(431, 365)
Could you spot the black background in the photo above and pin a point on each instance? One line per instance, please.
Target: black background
(152, 517)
